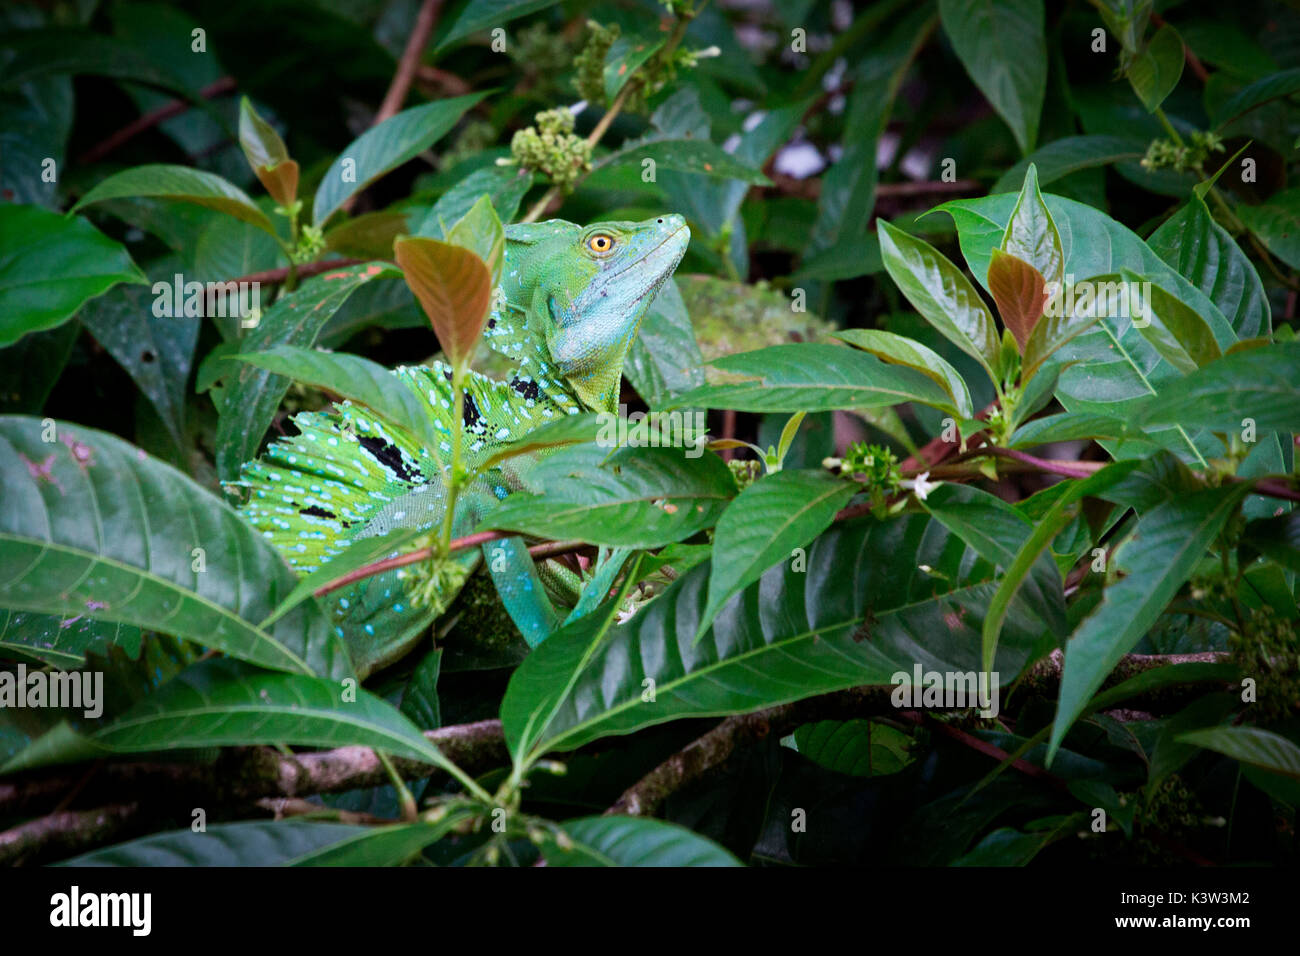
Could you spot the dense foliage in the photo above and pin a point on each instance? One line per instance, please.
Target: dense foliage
(989, 306)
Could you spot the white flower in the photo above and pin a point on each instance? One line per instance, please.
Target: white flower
(921, 486)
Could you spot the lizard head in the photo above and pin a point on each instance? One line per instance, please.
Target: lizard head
(593, 293)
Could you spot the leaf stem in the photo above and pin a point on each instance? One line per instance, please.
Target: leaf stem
(410, 812)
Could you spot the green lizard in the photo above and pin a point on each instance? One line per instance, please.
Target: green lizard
(569, 305)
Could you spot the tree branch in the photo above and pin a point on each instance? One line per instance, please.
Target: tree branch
(151, 119)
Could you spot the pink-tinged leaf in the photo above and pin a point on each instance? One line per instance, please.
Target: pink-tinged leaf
(1020, 293)
(453, 286)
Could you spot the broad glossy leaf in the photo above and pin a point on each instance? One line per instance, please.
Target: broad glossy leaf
(504, 185)
(368, 236)
(218, 703)
(50, 265)
(1251, 745)
(639, 498)
(765, 524)
(569, 430)
(485, 14)
(634, 841)
(1260, 384)
(665, 358)
(1181, 336)
(92, 526)
(385, 147)
(272, 843)
(942, 294)
(1278, 84)
(63, 642)
(420, 696)
(156, 351)
(56, 50)
(858, 748)
(355, 379)
(1203, 253)
(181, 183)
(876, 598)
(901, 350)
(38, 119)
(1277, 222)
(1170, 540)
(252, 395)
(1156, 70)
(453, 286)
(1001, 44)
(1070, 154)
(812, 377)
(1032, 236)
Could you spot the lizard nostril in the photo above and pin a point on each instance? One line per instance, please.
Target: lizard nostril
(661, 221)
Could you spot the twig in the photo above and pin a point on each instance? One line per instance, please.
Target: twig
(66, 832)
(406, 66)
(307, 269)
(548, 549)
(151, 119)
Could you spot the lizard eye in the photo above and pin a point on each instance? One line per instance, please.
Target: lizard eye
(600, 243)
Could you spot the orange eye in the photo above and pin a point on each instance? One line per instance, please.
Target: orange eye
(600, 243)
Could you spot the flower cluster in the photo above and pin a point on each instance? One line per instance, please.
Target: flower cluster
(551, 148)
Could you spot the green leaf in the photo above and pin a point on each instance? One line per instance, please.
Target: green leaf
(252, 395)
(368, 236)
(273, 843)
(1259, 384)
(1071, 154)
(875, 599)
(1181, 336)
(1203, 253)
(1277, 222)
(485, 14)
(453, 286)
(504, 185)
(641, 498)
(92, 526)
(813, 377)
(1276, 85)
(665, 358)
(686, 156)
(1251, 745)
(266, 153)
(634, 841)
(50, 265)
(857, 748)
(626, 55)
(180, 183)
(901, 350)
(1156, 70)
(1170, 540)
(764, 525)
(848, 190)
(481, 232)
(156, 351)
(569, 430)
(1001, 44)
(1277, 538)
(1029, 554)
(356, 379)
(220, 703)
(420, 697)
(999, 534)
(1031, 234)
(63, 642)
(40, 52)
(385, 147)
(942, 294)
